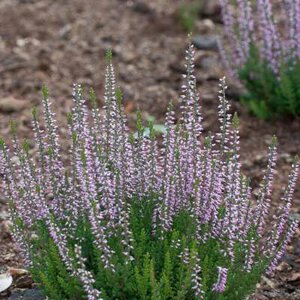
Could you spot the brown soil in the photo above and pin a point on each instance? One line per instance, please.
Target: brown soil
(61, 42)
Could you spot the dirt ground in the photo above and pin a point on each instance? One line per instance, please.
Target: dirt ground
(57, 43)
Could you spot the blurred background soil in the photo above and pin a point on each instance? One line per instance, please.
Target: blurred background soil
(57, 43)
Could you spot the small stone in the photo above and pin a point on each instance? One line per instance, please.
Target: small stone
(17, 272)
(269, 282)
(209, 24)
(31, 294)
(8, 256)
(205, 42)
(294, 277)
(283, 266)
(11, 104)
(206, 26)
(6, 229)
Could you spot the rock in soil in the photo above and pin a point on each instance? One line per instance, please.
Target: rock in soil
(11, 104)
(32, 294)
(205, 42)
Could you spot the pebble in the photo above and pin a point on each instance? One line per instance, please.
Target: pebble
(202, 42)
(31, 294)
(11, 104)
(6, 228)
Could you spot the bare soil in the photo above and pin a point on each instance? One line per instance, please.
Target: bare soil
(57, 43)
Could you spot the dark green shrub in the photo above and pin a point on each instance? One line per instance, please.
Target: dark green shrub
(263, 57)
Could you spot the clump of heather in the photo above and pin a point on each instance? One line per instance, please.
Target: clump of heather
(264, 54)
(123, 218)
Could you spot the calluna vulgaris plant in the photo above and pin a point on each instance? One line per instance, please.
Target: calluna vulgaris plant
(122, 218)
(264, 55)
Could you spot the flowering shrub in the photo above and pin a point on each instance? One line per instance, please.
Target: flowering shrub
(122, 218)
(264, 55)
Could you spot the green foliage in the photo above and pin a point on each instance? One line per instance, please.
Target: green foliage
(108, 55)
(45, 92)
(50, 271)
(269, 96)
(188, 14)
(151, 130)
(157, 272)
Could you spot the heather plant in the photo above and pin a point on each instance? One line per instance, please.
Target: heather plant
(124, 218)
(264, 54)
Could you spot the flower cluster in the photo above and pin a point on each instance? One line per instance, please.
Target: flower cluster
(273, 47)
(265, 55)
(123, 218)
(220, 285)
